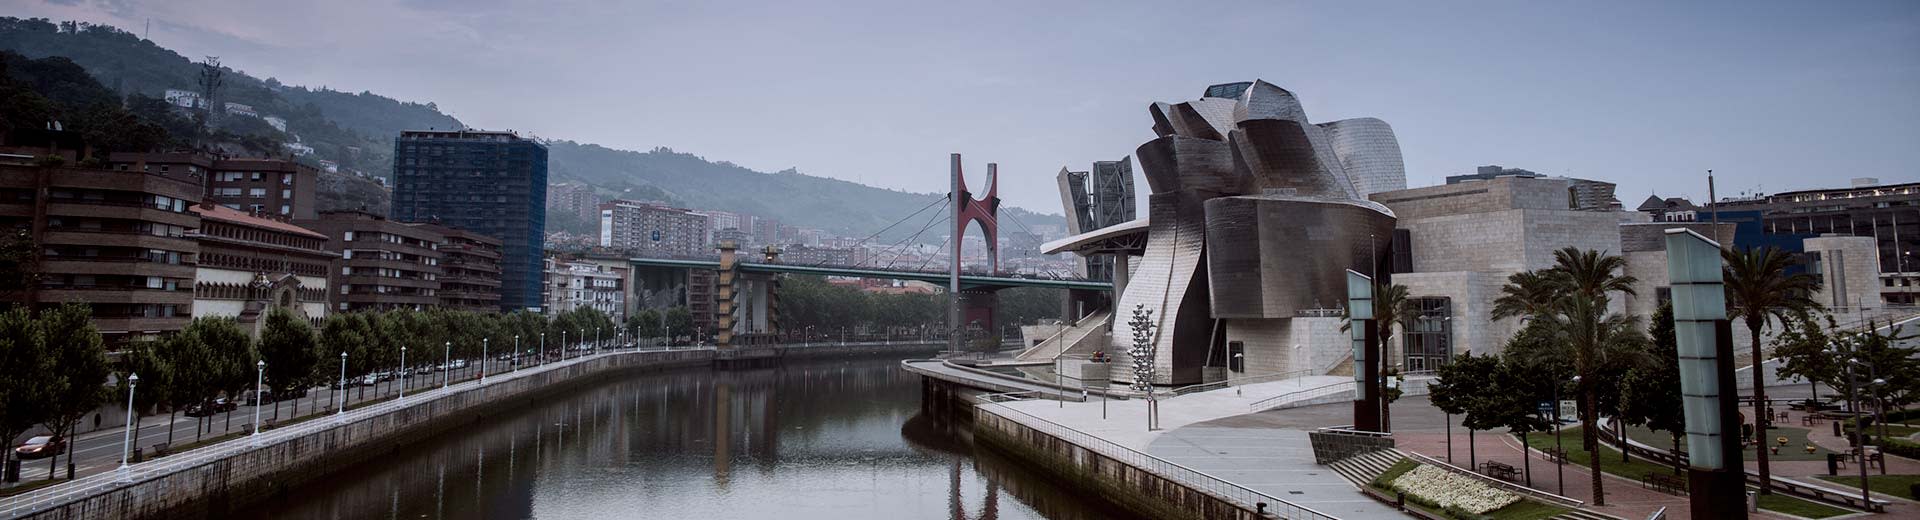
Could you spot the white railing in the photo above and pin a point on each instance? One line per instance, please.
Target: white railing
(77, 489)
(1170, 470)
(1245, 380)
(1301, 395)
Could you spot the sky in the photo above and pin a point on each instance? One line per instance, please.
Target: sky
(1772, 96)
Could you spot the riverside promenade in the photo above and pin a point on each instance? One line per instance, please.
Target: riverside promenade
(1193, 448)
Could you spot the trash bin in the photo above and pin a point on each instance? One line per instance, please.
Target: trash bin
(1836, 428)
(1833, 464)
(1753, 502)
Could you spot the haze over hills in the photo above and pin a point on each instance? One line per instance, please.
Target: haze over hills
(356, 131)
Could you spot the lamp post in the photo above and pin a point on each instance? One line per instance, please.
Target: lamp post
(1859, 443)
(483, 359)
(516, 353)
(1560, 443)
(404, 372)
(563, 345)
(126, 441)
(342, 389)
(543, 347)
(259, 376)
(806, 336)
(446, 364)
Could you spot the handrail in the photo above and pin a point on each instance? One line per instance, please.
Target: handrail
(1236, 381)
(59, 494)
(1170, 470)
(1318, 391)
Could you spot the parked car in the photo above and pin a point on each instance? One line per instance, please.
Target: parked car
(40, 447)
(210, 408)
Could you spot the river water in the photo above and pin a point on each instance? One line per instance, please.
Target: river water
(839, 440)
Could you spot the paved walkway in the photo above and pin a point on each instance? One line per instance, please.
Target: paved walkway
(1200, 431)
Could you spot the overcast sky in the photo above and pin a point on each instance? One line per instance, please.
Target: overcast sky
(1772, 96)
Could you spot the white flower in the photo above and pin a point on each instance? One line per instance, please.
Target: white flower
(1448, 489)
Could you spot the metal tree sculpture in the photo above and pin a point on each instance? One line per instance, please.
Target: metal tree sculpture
(1142, 350)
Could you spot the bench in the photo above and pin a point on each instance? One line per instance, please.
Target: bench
(1664, 483)
(1500, 471)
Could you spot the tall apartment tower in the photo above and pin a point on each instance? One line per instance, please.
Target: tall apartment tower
(492, 183)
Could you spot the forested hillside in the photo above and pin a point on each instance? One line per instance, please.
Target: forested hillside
(356, 131)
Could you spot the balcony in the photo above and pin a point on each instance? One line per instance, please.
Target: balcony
(125, 210)
(370, 281)
(116, 294)
(111, 325)
(120, 239)
(115, 265)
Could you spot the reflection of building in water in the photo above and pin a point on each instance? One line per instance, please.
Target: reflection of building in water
(956, 503)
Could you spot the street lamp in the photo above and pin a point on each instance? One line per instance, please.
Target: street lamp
(1859, 443)
(806, 336)
(1559, 442)
(516, 353)
(126, 441)
(446, 364)
(543, 347)
(404, 372)
(342, 389)
(259, 375)
(563, 345)
(483, 359)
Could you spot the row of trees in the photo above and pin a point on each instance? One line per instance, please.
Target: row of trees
(58, 366)
(55, 366)
(1570, 342)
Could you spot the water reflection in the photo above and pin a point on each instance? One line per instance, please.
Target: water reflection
(833, 440)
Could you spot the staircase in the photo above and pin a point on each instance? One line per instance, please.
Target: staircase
(1582, 514)
(1363, 468)
(1073, 340)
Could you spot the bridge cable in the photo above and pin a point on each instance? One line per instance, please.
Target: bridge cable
(902, 220)
(900, 247)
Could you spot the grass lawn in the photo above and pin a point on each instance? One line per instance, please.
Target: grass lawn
(1798, 507)
(1635, 469)
(1399, 468)
(1894, 430)
(1895, 485)
(1794, 450)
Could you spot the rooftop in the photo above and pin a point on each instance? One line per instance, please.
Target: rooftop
(234, 216)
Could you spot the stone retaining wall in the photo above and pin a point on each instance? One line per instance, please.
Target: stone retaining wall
(216, 488)
(1133, 488)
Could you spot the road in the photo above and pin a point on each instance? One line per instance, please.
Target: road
(101, 450)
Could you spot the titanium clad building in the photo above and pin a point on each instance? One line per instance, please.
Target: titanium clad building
(492, 183)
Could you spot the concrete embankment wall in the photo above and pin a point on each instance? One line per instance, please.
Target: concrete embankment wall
(1113, 480)
(213, 489)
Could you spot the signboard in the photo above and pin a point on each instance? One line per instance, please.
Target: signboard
(1569, 410)
(1546, 408)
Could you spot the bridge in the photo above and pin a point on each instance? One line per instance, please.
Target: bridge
(967, 281)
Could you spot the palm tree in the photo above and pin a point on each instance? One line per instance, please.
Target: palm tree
(1582, 280)
(1758, 290)
(1528, 294)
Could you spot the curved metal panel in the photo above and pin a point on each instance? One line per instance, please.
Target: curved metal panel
(1370, 154)
(1272, 257)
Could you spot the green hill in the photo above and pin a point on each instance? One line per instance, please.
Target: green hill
(356, 131)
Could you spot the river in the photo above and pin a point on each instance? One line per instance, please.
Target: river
(838, 440)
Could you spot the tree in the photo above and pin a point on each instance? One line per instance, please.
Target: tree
(1583, 279)
(1650, 393)
(79, 363)
(192, 370)
(19, 264)
(231, 356)
(644, 324)
(155, 386)
(1802, 349)
(680, 319)
(26, 390)
(1510, 398)
(1527, 294)
(1759, 288)
(287, 345)
(1470, 376)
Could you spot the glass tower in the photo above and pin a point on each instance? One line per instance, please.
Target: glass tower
(492, 183)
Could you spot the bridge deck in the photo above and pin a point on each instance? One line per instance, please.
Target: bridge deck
(966, 280)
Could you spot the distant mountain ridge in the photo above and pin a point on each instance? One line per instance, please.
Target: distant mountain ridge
(356, 131)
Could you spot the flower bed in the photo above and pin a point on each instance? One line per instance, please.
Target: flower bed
(1451, 491)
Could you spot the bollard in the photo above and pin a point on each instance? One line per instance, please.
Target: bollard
(1400, 500)
(1833, 464)
(1836, 428)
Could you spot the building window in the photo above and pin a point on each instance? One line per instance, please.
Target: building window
(258, 193)
(1428, 334)
(1237, 357)
(256, 176)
